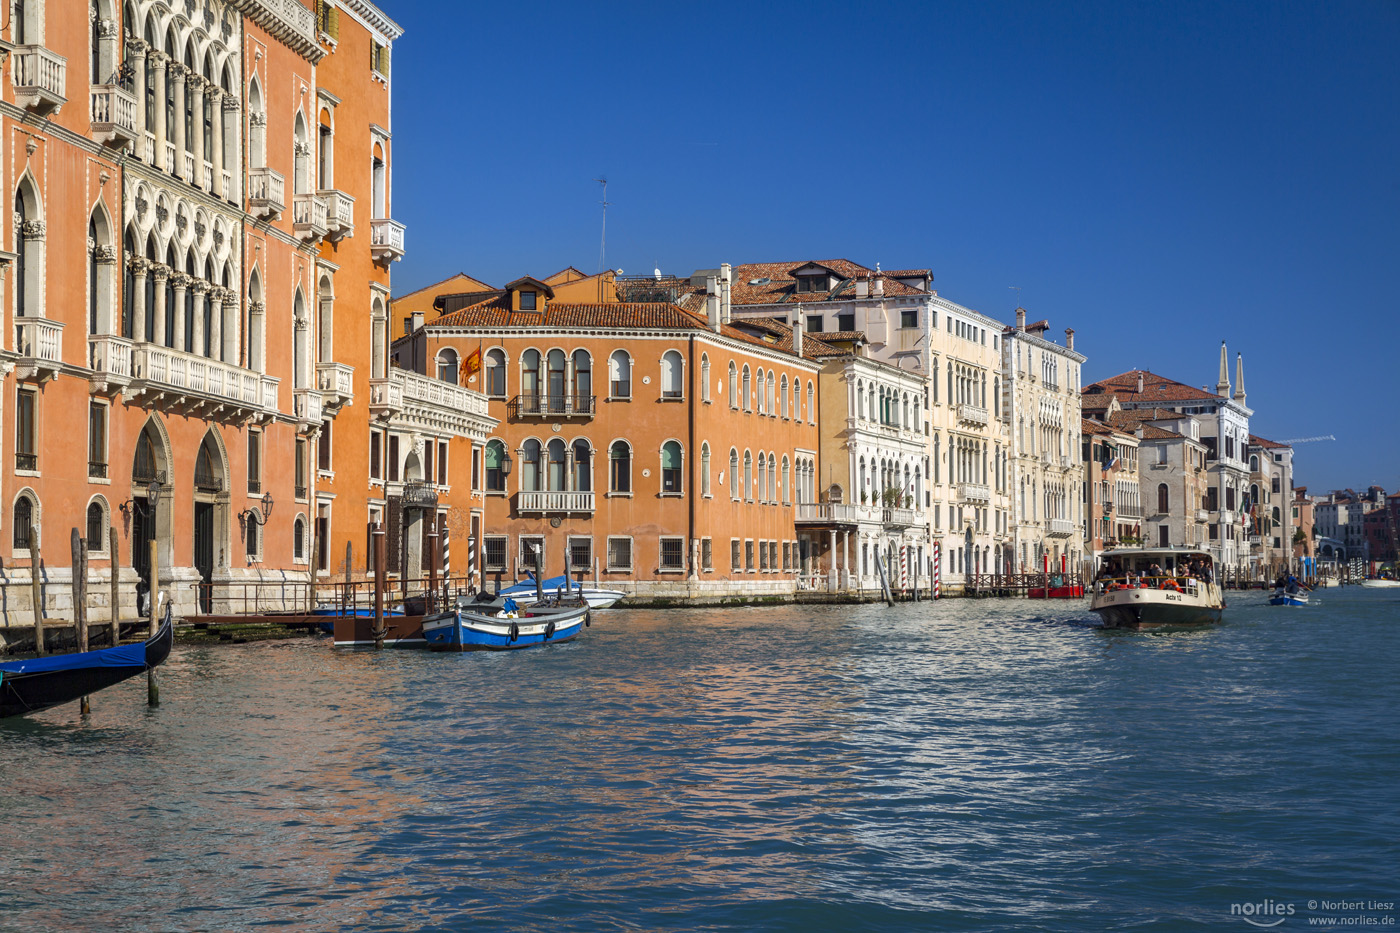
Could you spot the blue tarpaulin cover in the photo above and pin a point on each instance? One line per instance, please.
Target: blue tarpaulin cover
(528, 586)
(122, 656)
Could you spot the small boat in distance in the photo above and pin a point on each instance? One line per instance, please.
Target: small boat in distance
(1289, 592)
(36, 684)
(526, 592)
(1381, 583)
(1145, 588)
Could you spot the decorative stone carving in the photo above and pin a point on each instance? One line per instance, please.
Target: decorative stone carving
(180, 280)
(32, 229)
(177, 72)
(157, 58)
(141, 204)
(138, 48)
(105, 255)
(218, 238)
(108, 29)
(258, 118)
(138, 265)
(302, 148)
(231, 103)
(199, 229)
(181, 222)
(159, 271)
(201, 287)
(162, 212)
(256, 307)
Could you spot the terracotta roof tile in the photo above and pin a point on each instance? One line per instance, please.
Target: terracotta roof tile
(1258, 441)
(749, 287)
(1155, 388)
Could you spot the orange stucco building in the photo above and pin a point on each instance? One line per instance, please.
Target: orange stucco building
(196, 287)
(643, 437)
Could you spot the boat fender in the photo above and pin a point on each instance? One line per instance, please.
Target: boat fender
(514, 631)
(587, 619)
(549, 630)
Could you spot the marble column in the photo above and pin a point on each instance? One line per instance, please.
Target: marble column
(140, 268)
(158, 63)
(216, 322)
(230, 105)
(195, 88)
(201, 292)
(181, 283)
(161, 274)
(216, 158)
(255, 322)
(137, 49)
(178, 74)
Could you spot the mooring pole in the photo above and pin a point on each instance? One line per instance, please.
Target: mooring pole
(114, 599)
(347, 592)
(36, 591)
(80, 624)
(378, 537)
(153, 688)
(429, 603)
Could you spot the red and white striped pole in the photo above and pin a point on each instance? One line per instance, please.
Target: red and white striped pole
(937, 569)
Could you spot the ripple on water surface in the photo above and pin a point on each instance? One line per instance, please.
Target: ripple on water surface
(960, 765)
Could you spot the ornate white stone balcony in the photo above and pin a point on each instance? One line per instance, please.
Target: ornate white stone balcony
(826, 513)
(39, 342)
(385, 398)
(171, 157)
(267, 192)
(148, 148)
(1061, 528)
(109, 358)
(568, 501)
(287, 20)
(113, 115)
(306, 405)
(206, 176)
(337, 384)
(974, 492)
(971, 414)
(1202, 515)
(195, 384)
(1130, 511)
(40, 79)
(340, 213)
(899, 518)
(309, 217)
(386, 240)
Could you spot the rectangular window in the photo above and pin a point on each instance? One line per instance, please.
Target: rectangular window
(909, 318)
(620, 555)
(672, 554)
(748, 556)
(494, 552)
(97, 440)
(428, 461)
(814, 323)
(527, 301)
(531, 553)
(26, 453)
(580, 554)
(442, 463)
(323, 448)
(787, 556)
(846, 322)
(254, 463)
(736, 560)
(476, 469)
(376, 455)
(393, 458)
(707, 555)
(301, 469)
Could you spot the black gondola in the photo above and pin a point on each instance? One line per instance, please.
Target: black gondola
(40, 683)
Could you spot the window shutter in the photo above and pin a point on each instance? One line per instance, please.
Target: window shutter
(333, 23)
(384, 60)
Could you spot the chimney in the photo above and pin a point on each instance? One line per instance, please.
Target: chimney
(797, 326)
(1222, 388)
(1069, 338)
(417, 321)
(726, 278)
(712, 300)
(863, 287)
(1021, 320)
(878, 287)
(1139, 391)
(1239, 378)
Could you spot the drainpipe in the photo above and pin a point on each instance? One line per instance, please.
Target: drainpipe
(692, 458)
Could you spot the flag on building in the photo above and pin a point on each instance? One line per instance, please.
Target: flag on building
(473, 366)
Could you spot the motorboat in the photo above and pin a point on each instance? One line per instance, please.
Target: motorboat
(1147, 588)
(500, 623)
(527, 591)
(1380, 583)
(1283, 597)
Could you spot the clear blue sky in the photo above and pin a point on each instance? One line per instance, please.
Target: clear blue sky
(1157, 176)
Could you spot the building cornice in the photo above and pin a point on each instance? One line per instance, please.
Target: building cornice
(287, 21)
(371, 17)
(1037, 341)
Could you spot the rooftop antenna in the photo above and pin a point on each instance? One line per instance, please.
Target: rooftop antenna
(1017, 290)
(603, 247)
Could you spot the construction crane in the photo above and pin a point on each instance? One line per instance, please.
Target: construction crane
(1308, 440)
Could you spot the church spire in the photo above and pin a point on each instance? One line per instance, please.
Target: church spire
(1239, 378)
(1222, 388)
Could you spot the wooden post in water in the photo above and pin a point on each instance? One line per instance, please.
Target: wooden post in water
(379, 629)
(152, 688)
(80, 623)
(430, 597)
(37, 591)
(347, 596)
(115, 583)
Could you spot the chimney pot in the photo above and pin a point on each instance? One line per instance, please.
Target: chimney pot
(1021, 320)
(1069, 338)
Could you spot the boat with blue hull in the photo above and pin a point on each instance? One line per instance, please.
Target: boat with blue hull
(527, 591)
(509, 628)
(36, 684)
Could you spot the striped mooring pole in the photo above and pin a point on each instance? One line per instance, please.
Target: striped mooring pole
(937, 569)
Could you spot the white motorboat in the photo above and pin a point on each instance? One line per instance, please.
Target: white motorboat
(525, 592)
(1381, 583)
(1144, 588)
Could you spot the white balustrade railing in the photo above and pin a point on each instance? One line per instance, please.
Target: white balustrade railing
(1061, 528)
(308, 405)
(902, 517)
(206, 180)
(972, 414)
(113, 106)
(170, 155)
(109, 354)
(309, 211)
(39, 68)
(839, 513)
(386, 238)
(228, 192)
(268, 188)
(148, 153)
(430, 391)
(554, 501)
(386, 394)
(198, 374)
(336, 377)
(39, 338)
(975, 492)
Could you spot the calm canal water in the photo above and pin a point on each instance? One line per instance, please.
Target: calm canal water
(993, 765)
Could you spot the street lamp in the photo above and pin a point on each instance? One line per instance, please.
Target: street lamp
(255, 517)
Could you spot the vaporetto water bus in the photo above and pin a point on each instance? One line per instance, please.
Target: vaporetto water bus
(1141, 588)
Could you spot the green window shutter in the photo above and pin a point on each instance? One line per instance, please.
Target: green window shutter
(384, 61)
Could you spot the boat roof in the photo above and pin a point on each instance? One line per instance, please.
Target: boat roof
(1150, 551)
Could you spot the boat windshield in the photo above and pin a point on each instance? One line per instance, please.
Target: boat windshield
(1156, 569)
